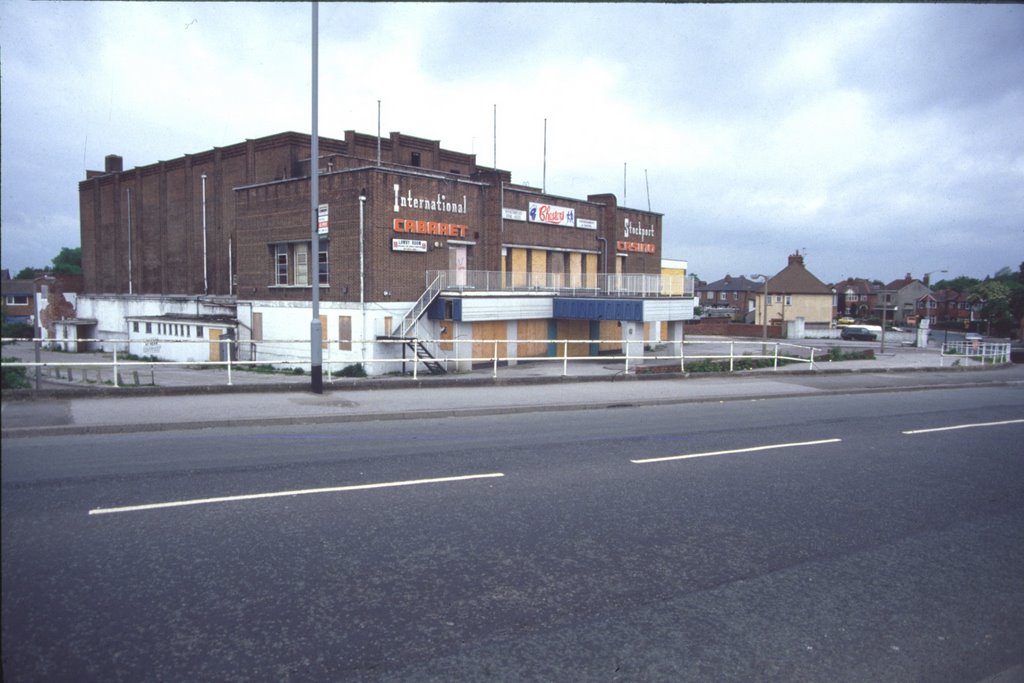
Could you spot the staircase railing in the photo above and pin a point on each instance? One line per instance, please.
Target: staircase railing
(428, 296)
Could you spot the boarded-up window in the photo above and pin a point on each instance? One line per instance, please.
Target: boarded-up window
(257, 327)
(345, 333)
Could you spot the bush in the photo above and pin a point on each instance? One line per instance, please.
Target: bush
(837, 354)
(15, 378)
(354, 370)
(18, 331)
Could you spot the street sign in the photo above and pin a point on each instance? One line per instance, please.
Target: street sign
(322, 216)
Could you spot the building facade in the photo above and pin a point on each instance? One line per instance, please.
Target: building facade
(794, 293)
(730, 297)
(413, 242)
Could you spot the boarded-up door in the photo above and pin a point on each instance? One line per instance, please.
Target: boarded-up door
(215, 355)
(575, 331)
(484, 334)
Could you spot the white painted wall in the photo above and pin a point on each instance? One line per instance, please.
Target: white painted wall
(510, 308)
(668, 309)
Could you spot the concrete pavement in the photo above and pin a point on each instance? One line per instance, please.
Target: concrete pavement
(526, 387)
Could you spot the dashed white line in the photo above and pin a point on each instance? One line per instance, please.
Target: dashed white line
(752, 449)
(966, 426)
(297, 492)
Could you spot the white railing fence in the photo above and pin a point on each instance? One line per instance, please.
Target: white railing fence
(565, 284)
(280, 355)
(973, 352)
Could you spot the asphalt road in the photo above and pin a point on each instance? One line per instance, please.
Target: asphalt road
(813, 539)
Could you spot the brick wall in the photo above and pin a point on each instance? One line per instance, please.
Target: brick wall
(727, 329)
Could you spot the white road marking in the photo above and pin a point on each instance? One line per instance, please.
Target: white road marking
(737, 450)
(298, 492)
(967, 426)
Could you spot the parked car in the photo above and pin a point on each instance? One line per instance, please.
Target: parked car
(858, 334)
(843, 322)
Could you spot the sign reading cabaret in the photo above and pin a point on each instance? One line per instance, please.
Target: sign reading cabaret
(409, 225)
(439, 202)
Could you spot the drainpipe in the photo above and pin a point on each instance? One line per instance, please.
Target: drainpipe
(206, 287)
(128, 190)
(231, 270)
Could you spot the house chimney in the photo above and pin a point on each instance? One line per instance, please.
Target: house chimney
(927, 279)
(796, 258)
(114, 164)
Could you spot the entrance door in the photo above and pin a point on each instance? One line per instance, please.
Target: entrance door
(457, 264)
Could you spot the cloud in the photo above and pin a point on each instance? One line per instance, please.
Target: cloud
(881, 138)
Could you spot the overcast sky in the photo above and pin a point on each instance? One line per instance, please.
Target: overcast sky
(876, 139)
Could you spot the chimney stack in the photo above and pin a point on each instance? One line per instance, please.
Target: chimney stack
(113, 164)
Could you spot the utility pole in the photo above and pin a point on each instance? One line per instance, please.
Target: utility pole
(316, 369)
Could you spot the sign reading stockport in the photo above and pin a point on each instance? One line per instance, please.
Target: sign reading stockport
(634, 231)
(552, 215)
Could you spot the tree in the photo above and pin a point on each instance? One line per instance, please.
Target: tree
(26, 274)
(68, 261)
(1001, 299)
(957, 284)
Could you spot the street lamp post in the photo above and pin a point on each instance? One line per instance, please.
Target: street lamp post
(928, 284)
(764, 317)
(362, 279)
(315, 328)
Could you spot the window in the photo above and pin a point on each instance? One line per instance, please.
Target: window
(415, 160)
(149, 328)
(199, 330)
(135, 326)
(292, 264)
(301, 253)
(723, 296)
(281, 264)
(17, 300)
(789, 300)
(345, 332)
(324, 264)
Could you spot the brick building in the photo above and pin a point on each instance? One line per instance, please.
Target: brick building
(414, 241)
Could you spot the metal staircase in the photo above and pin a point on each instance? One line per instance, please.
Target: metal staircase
(425, 357)
(417, 310)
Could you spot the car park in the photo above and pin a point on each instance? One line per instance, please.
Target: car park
(858, 334)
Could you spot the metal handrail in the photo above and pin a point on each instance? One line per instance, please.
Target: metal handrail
(773, 351)
(433, 289)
